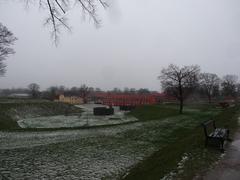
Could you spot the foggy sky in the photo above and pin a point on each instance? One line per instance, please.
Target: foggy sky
(137, 39)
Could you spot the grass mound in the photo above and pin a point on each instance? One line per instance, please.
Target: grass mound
(12, 111)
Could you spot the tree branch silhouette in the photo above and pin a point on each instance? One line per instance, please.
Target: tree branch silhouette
(57, 10)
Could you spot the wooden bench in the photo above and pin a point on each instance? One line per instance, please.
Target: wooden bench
(218, 135)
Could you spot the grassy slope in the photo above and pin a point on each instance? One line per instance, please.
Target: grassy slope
(145, 113)
(185, 139)
(10, 109)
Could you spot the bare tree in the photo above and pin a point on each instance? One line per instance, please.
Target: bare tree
(143, 91)
(116, 90)
(84, 92)
(179, 82)
(51, 93)
(57, 10)
(34, 89)
(7, 39)
(229, 85)
(132, 90)
(208, 83)
(98, 89)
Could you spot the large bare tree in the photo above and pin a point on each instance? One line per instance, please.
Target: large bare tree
(209, 83)
(229, 85)
(57, 10)
(7, 39)
(179, 81)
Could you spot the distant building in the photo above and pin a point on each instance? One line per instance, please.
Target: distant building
(70, 99)
(19, 95)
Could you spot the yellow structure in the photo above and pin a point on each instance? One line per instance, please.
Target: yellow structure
(70, 99)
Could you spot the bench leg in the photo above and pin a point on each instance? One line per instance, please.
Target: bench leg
(221, 145)
(206, 142)
(228, 132)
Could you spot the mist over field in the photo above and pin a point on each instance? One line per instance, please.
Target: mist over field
(135, 41)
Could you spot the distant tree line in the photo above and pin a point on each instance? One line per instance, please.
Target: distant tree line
(84, 91)
(127, 90)
(182, 82)
(53, 92)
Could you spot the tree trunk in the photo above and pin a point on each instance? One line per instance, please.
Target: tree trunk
(209, 99)
(181, 106)
(180, 98)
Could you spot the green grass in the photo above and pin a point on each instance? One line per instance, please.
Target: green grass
(152, 112)
(182, 135)
(157, 112)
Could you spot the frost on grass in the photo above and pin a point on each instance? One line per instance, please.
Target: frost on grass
(86, 118)
(94, 153)
(81, 154)
(179, 170)
(99, 153)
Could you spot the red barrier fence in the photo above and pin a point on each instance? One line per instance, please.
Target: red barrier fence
(128, 100)
(121, 99)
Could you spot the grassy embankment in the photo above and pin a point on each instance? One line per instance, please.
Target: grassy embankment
(182, 153)
(12, 110)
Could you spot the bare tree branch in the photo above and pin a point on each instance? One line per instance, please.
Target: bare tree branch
(6, 40)
(60, 6)
(57, 10)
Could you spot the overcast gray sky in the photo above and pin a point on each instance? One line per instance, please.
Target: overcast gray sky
(137, 39)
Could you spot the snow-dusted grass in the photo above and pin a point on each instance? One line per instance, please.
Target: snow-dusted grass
(72, 121)
(86, 118)
(107, 152)
(97, 153)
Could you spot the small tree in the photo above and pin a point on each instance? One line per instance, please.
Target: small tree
(209, 83)
(34, 89)
(229, 85)
(126, 90)
(98, 90)
(179, 82)
(84, 92)
(143, 91)
(52, 92)
(133, 90)
(6, 40)
(116, 90)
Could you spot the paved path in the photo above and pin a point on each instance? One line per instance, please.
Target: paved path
(229, 167)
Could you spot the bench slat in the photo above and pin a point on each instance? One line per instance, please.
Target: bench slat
(218, 133)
